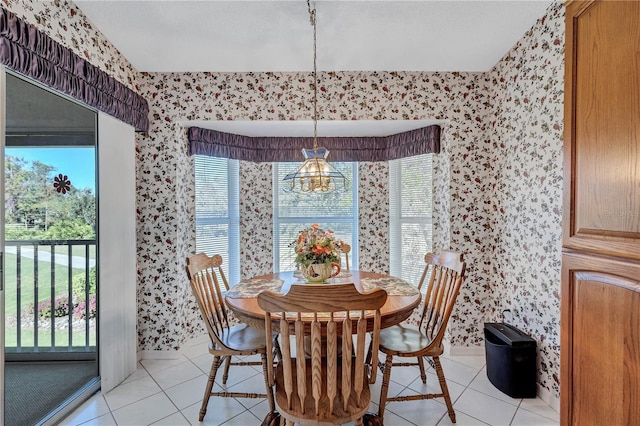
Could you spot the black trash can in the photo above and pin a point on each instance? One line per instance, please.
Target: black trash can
(511, 360)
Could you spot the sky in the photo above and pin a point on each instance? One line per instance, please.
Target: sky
(77, 163)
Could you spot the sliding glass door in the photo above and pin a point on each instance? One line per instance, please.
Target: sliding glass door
(50, 248)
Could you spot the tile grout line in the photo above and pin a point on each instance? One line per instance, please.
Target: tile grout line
(162, 390)
(515, 413)
(216, 384)
(130, 403)
(466, 387)
(206, 374)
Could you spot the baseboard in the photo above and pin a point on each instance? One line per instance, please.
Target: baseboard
(196, 340)
(193, 341)
(466, 350)
(546, 396)
(549, 398)
(145, 354)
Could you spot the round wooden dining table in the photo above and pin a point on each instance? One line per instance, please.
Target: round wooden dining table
(402, 297)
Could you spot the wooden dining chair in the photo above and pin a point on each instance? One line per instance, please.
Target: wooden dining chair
(205, 275)
(327, 382)
(445, 273)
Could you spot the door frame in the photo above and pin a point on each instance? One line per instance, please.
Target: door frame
(117, 339)
(2, 134)
(81, 394)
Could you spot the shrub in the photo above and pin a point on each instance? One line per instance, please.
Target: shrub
(78, 284)
(70, 230)
(22, 233)
(60, 307)
(80, 311)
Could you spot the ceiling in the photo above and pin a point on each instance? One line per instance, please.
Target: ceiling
(362, 35)
(359, 35)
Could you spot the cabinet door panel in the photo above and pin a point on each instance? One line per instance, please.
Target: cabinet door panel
(600, 340)
(602, 129)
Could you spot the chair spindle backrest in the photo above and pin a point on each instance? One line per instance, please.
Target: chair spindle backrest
(346, 249)
(445, 273)
(206, 276)
(327, 315)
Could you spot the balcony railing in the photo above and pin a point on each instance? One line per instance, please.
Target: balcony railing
(50, 297)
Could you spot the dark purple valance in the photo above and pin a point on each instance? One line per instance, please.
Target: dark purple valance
(25, 49)
(274, 149)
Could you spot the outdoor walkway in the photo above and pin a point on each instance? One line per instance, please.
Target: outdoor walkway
(44, 255)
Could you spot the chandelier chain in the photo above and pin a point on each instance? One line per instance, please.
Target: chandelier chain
(312, 18)
(315, 174)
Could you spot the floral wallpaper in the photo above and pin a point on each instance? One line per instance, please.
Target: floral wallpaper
(454, 97)
(256, 219)
(373, 216)
(527, 102)
(65, 23)
(496, 182)
(161, 276)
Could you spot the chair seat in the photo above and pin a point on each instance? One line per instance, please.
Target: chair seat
(355, 409)
(407, 341)
(241, 338)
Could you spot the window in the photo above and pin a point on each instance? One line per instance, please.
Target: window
(294, 212)
(410, 207)
(218, 211)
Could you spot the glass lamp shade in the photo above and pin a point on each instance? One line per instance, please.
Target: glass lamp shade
(315, 174)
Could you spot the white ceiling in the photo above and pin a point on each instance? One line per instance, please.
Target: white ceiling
(361, 35)
(356, 35)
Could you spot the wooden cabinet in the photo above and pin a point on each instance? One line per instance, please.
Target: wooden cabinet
(600, 346)
(600, 319)
(602, 127)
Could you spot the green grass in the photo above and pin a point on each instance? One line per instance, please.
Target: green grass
(44, 338)
(75, 250)
(27, 283)
(27, 297)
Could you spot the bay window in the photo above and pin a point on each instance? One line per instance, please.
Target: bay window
(218, 211)
(293, 212)
(410, 208)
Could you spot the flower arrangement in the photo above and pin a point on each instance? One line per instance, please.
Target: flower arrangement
(314, 245)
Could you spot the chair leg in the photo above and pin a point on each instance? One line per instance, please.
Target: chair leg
(270, 399)
(423, 374)
(225, 375)
(217, 361)
(385, 385)
(445, 389)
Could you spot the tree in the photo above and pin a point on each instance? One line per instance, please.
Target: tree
(26, 189)
(37, 211)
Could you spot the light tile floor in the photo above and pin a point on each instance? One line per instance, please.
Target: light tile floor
(169, 392)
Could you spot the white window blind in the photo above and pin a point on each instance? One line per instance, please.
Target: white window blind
(410, 208)
(218, 211)
(294, 212)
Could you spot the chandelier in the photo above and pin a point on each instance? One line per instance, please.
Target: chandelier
(315, 174)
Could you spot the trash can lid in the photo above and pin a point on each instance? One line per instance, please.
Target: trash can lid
(508, 334)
